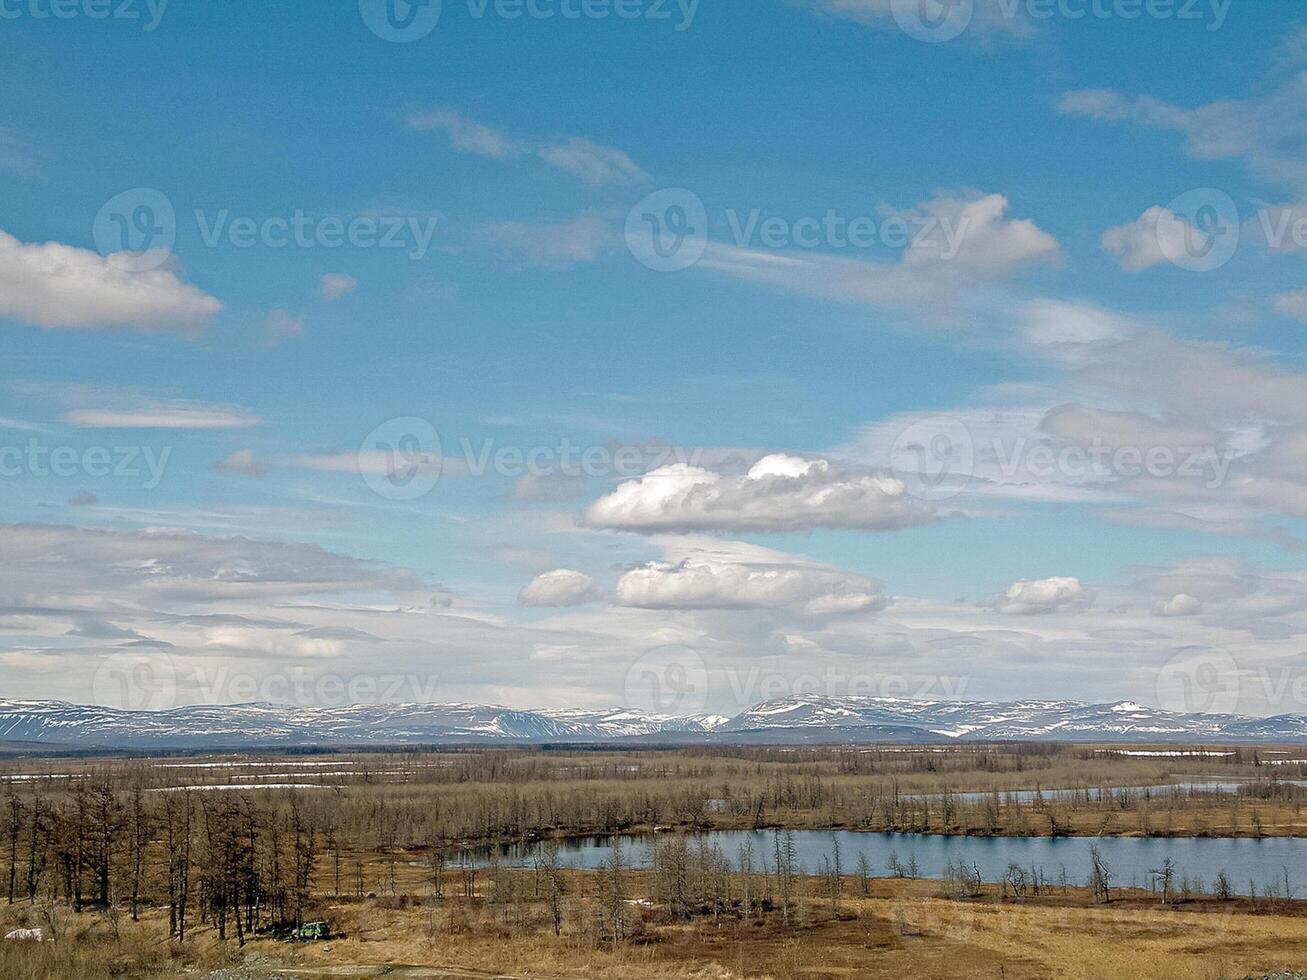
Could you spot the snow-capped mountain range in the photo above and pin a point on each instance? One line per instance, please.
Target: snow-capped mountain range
(59, 725)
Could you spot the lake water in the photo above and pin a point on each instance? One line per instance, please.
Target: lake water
(1130, 858)
(1155, 791)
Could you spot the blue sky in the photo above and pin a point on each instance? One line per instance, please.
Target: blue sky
(1044, 164)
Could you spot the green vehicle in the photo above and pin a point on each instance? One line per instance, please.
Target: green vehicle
(314, 932)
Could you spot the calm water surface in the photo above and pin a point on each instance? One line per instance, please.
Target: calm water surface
(1130, 858)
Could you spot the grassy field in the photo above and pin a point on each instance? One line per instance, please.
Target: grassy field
(902, 929)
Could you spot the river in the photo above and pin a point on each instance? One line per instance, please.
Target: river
(1131, 859)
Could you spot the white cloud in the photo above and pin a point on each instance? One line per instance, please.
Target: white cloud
(779, 493)
(282, 326)
(583, 239)
(163, 416)
(377, 463)
(20, 154)
(561, 587)
(711, 584)
(987, 19)
(58, 286)
(465, 134)
(334, 285)
(1139, 245)
(594, 164)
(988, 243)
(243, 462)
(1292, 304)
(1265, 130)
(1048, 595)
(959, 244)
(1180, 604)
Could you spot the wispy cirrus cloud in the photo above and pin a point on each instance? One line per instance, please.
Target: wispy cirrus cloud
(1265, 131)
(966, 242)
(592, 163)
(20, 153)
(577, 241)
(112, 407)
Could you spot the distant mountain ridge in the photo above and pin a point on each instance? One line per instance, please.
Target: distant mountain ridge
(799, 719)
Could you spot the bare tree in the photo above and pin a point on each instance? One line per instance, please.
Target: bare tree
(1100, 876)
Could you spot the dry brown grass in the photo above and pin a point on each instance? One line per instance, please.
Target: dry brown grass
(905, 929)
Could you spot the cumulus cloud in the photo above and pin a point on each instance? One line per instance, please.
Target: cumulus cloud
(561, 587)
(779, 493)
(1148, 240)
(1050, 595)
(1180, 604)
(334, 285)
(710, 584)
(58, 286)
(594, 164)
(985, 241)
